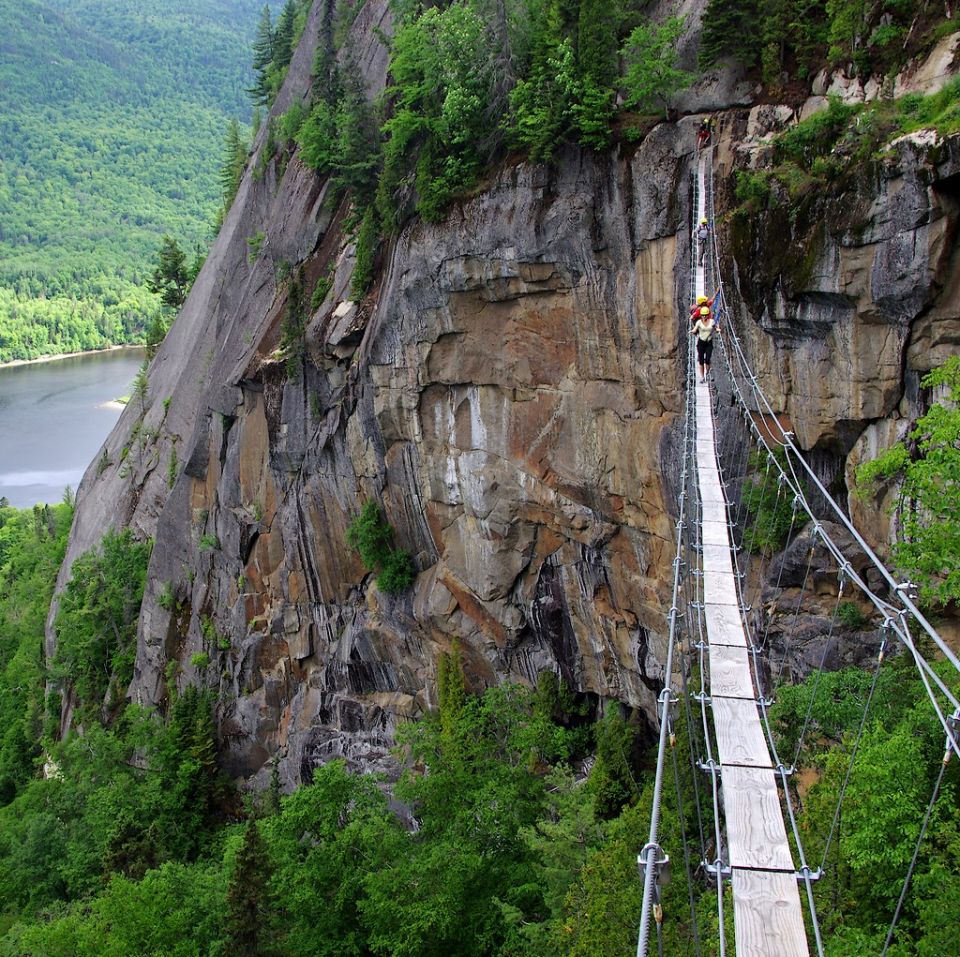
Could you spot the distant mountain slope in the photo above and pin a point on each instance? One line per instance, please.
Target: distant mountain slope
(112, 117)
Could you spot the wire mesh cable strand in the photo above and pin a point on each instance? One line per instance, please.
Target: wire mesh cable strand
(853, 756)
(649, 854)
(916, 851)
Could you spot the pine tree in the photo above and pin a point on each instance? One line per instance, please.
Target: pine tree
(597, 47)
(263, 53)
(248, 896)
(283, 38)
(234, 161)
(451, 692)
(170, 279)
(325, 59)
(357, 150)
(537, 102)
(731, 28)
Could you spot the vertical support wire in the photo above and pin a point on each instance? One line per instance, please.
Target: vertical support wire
(648, 855)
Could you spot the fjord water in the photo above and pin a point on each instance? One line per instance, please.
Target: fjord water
(54, 417)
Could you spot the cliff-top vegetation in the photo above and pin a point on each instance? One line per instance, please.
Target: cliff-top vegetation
(475, 81)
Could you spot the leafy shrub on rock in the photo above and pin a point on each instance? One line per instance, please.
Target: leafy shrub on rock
(371, 535)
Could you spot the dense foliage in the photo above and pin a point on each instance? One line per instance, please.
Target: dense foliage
(32, 544)
(890, 785)
(926, 469)
(132, 843)
(796, 38)
(768, 503)
(111, 121)
(468, 81)
(371, 535)
(823, 152)
(96, 623)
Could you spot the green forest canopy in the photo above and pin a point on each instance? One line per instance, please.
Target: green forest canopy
(112, 118)
(138, 844)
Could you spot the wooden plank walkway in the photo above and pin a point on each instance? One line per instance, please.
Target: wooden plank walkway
(767, 916)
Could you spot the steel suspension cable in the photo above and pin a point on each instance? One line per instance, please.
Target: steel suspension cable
(853, 756)
(916, 850)
(648, 857)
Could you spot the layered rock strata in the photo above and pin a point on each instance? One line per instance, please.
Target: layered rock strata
(508, 392)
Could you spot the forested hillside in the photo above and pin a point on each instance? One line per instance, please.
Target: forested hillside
(360, 643)
(113, 116)
(531, 811)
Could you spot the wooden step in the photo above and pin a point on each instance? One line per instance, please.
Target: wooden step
(724, 626)
(730, 674)
(740, 737)
(756, 835)
(767, 918)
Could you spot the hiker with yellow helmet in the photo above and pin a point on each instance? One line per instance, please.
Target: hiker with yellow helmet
(703, 239)
(702, 302)
(704, 326)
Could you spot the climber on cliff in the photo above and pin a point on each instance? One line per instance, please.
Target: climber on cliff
(703, 237)
(701, 303)
(703, 329)
(705, 132)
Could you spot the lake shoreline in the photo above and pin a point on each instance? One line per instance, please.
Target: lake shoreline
(13, 363)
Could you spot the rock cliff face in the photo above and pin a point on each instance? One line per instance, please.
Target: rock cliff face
(848, 299)
(508, 393)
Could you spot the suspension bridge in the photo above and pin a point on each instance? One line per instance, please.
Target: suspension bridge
(718, 666)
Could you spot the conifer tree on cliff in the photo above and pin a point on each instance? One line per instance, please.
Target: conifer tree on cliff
(597, 30)
(170, 279)
(248, 897)
(263, 45)
(283, 38)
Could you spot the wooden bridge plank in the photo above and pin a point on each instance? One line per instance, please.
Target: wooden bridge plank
(756, 835)
(713, 531)
(720, 588)
(706, 461)
(716, 558)
(712, 491)
(724, 626)
(740, 738)
(714, 512)
(730, 675)
(767, 918)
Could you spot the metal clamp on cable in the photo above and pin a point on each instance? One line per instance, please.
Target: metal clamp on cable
(806, 873)
(908, 590)
(716, 869)
(660, 863)
(667, 697)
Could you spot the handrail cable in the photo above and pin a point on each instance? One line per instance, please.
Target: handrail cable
(890, 612)
(916, 850)
(648, 857)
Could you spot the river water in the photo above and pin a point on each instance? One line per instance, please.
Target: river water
(54, 417)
